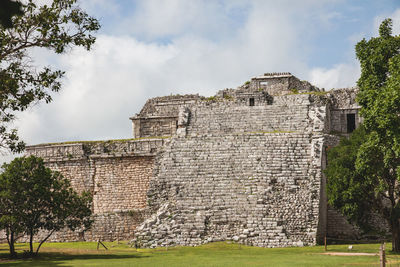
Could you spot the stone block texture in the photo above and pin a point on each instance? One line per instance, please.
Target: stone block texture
(245, 165)
(116, 173)
(259, 188)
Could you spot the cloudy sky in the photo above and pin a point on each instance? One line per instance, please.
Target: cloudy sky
(149, 48)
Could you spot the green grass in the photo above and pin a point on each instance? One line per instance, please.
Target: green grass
(213, 254)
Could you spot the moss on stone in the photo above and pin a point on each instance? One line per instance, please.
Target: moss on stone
(106, 141)
(317, 93)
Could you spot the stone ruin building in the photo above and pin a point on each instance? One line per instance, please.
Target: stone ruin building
(244, 165)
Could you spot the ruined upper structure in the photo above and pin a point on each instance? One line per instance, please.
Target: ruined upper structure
(160, 116)
(243, 165)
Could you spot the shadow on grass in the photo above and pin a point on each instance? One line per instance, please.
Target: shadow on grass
(56, 258)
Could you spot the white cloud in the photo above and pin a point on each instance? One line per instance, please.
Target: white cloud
(101, 7)
(396, 21)
(102, 89)
(395, 16)
(155, 19)
(340, 76)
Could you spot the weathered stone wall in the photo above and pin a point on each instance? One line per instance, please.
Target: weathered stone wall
(82, 150)
(166, 105)
(245, 173)
(117, 183)
(260, 188)
(152, 127)
(121, 184)
(77, 171)
(274, 86)
(159, 115)
(280, 83)
(288, 113)
(339, 119)
(339, 229)
(117, 173)
(343, 102)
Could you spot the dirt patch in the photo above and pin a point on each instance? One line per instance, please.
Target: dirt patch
(350, 254)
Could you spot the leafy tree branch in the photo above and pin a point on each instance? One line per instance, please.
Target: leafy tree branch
(58, 27)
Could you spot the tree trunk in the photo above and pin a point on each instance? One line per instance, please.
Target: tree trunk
(31, 241)
(11, 242)
(395, 235)
(44, 240)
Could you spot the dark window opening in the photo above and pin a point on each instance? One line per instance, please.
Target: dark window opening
(251, 102)
(351, 122)
(268, 98)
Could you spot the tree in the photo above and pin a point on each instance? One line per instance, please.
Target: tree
(58, 27)
(347, 190)
(8, 9)
(369, 174)
(34, 198)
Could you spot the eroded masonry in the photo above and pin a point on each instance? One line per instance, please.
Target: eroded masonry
(244, 165)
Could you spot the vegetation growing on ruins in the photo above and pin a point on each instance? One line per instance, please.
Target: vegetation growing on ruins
(34, 198)
(296, 92)
(368, 168)
(57, 26)
(217, 98)
(228, 97)
(107, 141)
(266, 132)
(211, 98)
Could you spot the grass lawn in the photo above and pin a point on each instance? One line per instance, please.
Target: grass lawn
(213, 254)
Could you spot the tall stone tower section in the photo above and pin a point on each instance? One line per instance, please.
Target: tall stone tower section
(246, 165)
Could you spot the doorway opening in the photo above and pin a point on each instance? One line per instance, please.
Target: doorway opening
(251, 102)
(351, 122)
